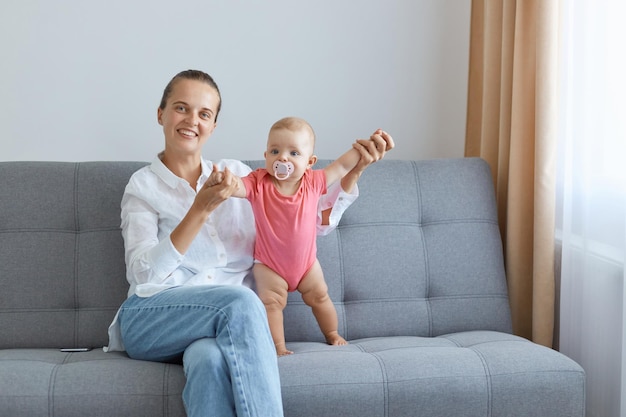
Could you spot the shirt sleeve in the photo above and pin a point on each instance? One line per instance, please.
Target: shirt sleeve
(148, 260)
(337, 199)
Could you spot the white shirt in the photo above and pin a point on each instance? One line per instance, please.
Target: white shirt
(154, 202)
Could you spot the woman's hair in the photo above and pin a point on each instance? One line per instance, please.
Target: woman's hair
(191, 75)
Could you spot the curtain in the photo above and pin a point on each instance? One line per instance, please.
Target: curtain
(591, 198)
(512, 124)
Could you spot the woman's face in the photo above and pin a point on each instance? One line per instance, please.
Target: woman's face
(188, 118)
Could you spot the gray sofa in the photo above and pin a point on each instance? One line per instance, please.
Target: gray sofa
(415, 270)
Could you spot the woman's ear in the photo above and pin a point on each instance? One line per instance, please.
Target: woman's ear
(159, 114)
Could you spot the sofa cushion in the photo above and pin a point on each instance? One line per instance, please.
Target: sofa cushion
(47, 382)
(477, 373)
(62, 256)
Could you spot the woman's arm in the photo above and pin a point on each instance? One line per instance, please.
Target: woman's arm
(208, 199)
(354, 162)
(155, 245)
(341, 166)
(148, 259)
(370, 151)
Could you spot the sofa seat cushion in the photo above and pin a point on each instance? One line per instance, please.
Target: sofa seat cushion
(47, 382)
(477, 373)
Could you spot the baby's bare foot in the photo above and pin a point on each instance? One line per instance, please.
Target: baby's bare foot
(335, 339)
(281, 350)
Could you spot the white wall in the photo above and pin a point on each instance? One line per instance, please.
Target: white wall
(81, 80)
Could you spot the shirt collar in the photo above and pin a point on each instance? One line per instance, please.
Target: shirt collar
(206, 171)
(171, 179)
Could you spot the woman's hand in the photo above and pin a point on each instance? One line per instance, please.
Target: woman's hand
(372, 149)
(215, 178)
(210, 196)
(219, 187)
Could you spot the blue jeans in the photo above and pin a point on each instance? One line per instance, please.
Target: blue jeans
(224, 339)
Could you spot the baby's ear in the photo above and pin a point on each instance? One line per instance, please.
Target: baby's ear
(312, 161)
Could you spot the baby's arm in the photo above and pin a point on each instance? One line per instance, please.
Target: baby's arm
(240, 192)
(371, 150)
(341, 166)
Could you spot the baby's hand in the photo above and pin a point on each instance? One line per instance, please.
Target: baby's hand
(215, 178)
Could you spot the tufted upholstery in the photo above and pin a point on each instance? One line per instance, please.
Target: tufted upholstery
(415, 270)
(62, 254)
(418, 270)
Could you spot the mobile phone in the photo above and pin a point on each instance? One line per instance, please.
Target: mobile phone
(75, 349)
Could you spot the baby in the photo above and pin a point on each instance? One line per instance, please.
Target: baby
(284, 197)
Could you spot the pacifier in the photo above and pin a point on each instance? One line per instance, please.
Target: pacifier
(282, 170)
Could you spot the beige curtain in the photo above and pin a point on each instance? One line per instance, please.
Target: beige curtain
(512, 124)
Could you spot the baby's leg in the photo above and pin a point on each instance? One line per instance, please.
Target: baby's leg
(315, 294)
(272, 290)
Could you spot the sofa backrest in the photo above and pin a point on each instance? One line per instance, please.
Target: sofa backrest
(419, 253)
(62, 269)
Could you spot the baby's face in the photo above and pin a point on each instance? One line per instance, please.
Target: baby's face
(290, 146)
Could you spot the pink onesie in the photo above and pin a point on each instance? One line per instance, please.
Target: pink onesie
(285, 225)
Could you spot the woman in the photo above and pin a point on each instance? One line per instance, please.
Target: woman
(188, 250)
